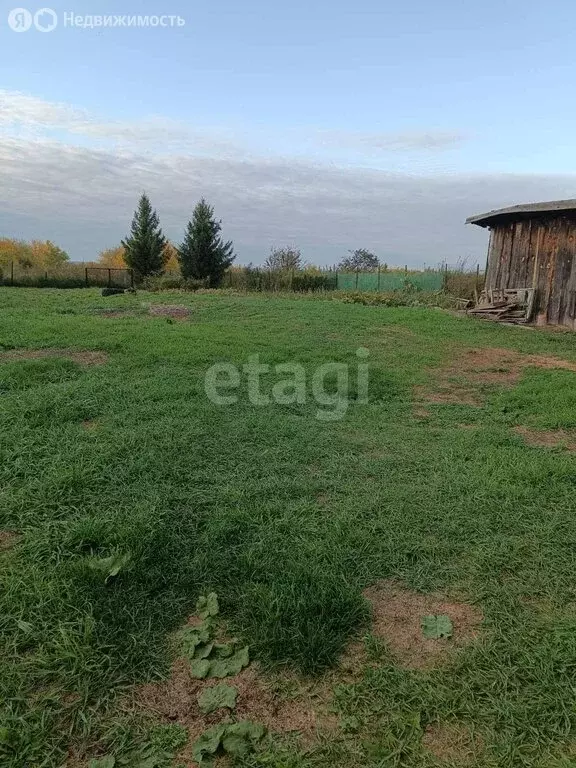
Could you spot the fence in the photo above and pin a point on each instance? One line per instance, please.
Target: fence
(109, 277)
(256, 279)
(459, 282)
(390, 281)
(65, 276)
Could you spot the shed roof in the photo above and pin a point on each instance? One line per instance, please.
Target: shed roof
(517, 212)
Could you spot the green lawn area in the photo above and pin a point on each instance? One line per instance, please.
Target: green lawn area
(288, 519)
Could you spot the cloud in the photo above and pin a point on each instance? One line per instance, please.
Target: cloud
(407, 141)
(83, 194)
(31, 118)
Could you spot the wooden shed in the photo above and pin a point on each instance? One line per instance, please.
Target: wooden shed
(534, 247)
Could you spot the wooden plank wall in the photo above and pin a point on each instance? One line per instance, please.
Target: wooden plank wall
(541, 254)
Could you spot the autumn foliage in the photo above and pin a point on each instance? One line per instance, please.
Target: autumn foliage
(114, 258)
(28, 255)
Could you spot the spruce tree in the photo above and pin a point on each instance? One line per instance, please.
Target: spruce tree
(144, 248)
(204, 255)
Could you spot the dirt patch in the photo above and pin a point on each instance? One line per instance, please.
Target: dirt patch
(541, 361)
(283, 703)
(453, 743)
(175, 311)
(550, 438)
(85, 357)
(397, 615)
(90, 425)
(303, 710)
(420, 413)
(449, 395)
(8, 539)
(458, 383)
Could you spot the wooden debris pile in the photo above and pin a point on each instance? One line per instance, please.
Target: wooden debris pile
(510, 305)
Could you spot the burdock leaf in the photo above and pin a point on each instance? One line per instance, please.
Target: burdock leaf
(193, 637)
(189, 641)
(223, 650)
(208, 606)
(236, 739)
(239, 739)
(203, 651)
(111, 566)
(436, 627)
(236, 745)
(208, 744)
(103, 762)
(199, 668)
(217, 697)
(212, 604)
(232, 665)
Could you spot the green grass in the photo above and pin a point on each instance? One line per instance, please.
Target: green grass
(286, 517)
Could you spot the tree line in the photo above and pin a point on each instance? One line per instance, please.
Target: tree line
(290, 260)
(202, 256)
(42, 254)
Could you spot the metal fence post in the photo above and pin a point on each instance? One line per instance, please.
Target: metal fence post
(86, 276)
(357, 273)
(109, 278)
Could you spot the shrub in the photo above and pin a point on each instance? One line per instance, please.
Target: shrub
(405, 298)
(171, 283)
(309, 281)
(112, 291)
(45, 281)
(463, 284)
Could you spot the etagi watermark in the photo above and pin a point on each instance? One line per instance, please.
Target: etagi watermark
(332, 386)
(46, 20)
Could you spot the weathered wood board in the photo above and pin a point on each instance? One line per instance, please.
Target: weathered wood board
(537, 253)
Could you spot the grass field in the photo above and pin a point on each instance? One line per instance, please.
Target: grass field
(289, 519)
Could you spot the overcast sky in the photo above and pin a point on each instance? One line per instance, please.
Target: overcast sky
(325, 125)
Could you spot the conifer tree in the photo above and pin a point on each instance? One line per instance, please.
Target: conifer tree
(144, 248)
(203, 255)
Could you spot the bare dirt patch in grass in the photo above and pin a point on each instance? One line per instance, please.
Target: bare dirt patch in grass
(454, 743)
(83, 357)
(449, 395)
(459, 382)
(174, 311)
(548, 438)
(397, 620)
(90, 425)
(8, 539)
(284, 703)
